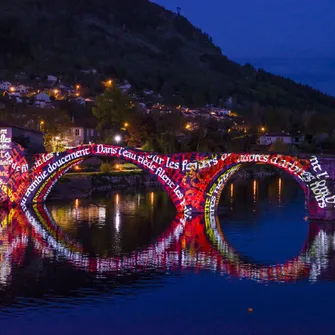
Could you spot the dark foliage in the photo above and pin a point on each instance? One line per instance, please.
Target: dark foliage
(142, 42)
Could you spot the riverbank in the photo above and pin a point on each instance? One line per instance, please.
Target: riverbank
(82, 185)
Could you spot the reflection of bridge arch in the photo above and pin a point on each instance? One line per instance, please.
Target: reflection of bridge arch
(193, 181)
(298, 267)
(184, 245)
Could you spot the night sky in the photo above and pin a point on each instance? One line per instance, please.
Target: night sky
(294, 38)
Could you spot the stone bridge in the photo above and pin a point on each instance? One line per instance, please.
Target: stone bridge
(194, 181)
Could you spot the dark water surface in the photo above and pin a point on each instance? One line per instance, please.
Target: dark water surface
(124, 263)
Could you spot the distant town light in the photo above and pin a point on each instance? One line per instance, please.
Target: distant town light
(77, 87)
(108, 83)
(12, 89)
(56, 91)
(126, 124)
(263, 129)
(187, 126)
(41, 125)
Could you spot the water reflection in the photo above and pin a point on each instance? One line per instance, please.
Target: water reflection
(130, 236)
(197, 243)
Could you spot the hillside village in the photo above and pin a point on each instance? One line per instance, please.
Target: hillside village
(47, 95)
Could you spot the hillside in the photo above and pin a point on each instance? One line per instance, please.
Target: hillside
(144, 43)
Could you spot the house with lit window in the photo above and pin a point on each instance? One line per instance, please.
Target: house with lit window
(269, 138)
(5, 85)
(22, 89)
(82, 131)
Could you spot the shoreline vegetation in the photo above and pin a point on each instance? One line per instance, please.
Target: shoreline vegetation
(84, 184)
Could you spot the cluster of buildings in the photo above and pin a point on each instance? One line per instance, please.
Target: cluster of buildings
(43, 95)
(50, 92)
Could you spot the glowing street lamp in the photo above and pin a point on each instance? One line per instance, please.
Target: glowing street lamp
(108, 83)
(57, 138)
(12, 89)
(41, 125)
(117, 139)
(126, 124)
(263, 129)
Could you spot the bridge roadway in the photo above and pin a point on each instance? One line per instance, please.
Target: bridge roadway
(194, 181)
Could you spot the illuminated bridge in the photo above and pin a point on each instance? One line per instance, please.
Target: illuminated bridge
(194, 181)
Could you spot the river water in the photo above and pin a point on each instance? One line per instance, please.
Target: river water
(124, 263)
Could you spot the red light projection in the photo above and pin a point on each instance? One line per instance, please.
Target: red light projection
(194, 181)
(196, 243)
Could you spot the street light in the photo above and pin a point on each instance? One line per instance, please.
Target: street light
(57, 138)
(117, 139)
(126, 124)
(108, 83)
(41, 125)
(262, 129)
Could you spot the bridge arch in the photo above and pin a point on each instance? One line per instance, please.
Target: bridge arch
(49, 168)
(300, 169)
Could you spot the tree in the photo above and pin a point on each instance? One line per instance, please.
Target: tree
(54, 123)
(113, 109)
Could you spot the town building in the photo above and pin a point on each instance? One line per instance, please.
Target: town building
(52, 79)
(41, 100)
(22, 89)
(82, 131)
(269, 138)
(5, 85)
